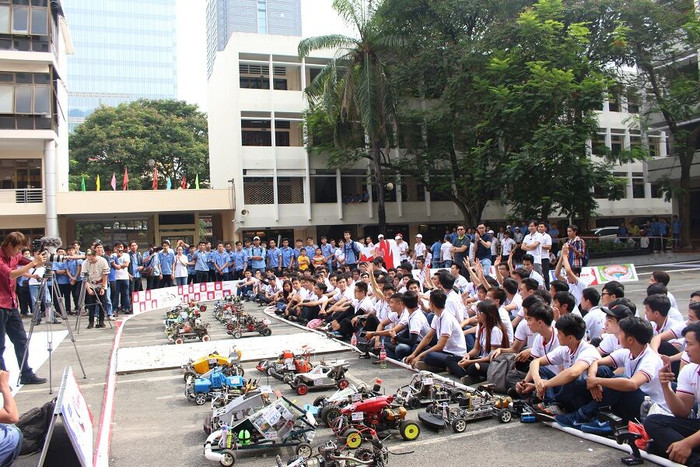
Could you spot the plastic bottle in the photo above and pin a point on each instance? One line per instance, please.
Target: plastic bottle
(644, 408)
(353, 340)
(382, 356)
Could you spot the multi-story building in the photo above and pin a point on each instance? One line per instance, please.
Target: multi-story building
(224, 17)
(257, 146)
(124, 50)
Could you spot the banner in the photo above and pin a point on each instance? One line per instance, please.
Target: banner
(147, 300)
(76, 416)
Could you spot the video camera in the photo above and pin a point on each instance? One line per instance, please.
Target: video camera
(48, 245)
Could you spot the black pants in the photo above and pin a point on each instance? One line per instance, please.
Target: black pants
(94, 308)
(135, 285)
(475, 370)
(166, 281)
(12, 327)
(545, 272)
(75, 293)
(212, 276)
(65, 291)
(238, 275)
(201, 276)
(309, 312)
(191, 278)
(666, 430)
(25, 301)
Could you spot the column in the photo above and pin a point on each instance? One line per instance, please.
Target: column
(50, 188)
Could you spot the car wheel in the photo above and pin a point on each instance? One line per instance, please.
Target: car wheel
(266, 332)
(228, 458)
(409, 430)
(459, 425)
(505, 416)
(200, 399)
(304, 450)
(353, 438)
(302, 389)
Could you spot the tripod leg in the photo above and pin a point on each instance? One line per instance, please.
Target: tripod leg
(62, 310)
(36, 310)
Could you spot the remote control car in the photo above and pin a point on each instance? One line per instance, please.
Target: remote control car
(192, 328)
(287, 365)
(332, 455)
(363, 420)
(473, 406)
(210, 384)
(424, 390)
(246, 323)
(322, 376)
(327, 408)
(228, 393)
(237, 409)
(230, 365)
(277, 425)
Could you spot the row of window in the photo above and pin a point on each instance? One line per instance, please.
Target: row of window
(25, 93)
(24, 19)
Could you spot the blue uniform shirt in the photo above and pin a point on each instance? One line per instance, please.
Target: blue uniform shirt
(273, 255)
(201, 261)
(190, 267)
(166, 262)
(435, 250)
(326, 251)
(257, 251)
(60, 278)
(310, 250)
(287, 255)
(239, 258)
(221, 260)
(351, 251)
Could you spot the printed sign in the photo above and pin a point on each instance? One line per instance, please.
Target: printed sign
(77, 418)
(148, 300)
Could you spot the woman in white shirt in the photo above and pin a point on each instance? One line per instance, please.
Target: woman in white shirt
(180, 267)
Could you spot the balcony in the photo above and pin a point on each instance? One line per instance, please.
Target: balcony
(21, 202)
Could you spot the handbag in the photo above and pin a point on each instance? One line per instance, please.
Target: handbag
(147, 270)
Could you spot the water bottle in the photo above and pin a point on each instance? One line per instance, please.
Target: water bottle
(382, 356)
(353, 340)
(645, 407)
(588, 335)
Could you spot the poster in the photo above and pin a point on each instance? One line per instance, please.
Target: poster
(77, 418)
(147, 300)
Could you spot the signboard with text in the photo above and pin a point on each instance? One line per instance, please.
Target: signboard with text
(147, 300)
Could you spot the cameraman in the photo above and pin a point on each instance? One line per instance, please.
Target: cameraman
(10, 320)
(97, 269)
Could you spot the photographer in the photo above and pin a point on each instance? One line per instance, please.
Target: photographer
(97, 269)
(13, 265)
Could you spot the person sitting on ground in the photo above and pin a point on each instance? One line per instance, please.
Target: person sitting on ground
(613, 315)
(574, 356)
(611, 291)
(625, 392)
(529, 266)
(564, 303)
(10, 435)
(662, 277)
(658, 288)
(410, 330)
(593, 315)
(526, 288)
(677, 436)
(343, 323)
(383, 332)
(450, 340)
(656, 309)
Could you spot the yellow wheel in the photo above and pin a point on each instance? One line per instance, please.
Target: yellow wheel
(409, 430)
(353, 438)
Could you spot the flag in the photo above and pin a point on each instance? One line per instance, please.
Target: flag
(389, 251)
(366, 252)
(183, 185)
(169, 184)
(113, 183)
(155, 179)
(97, 182)
(125, 183)
(196, 182)
(82, 184)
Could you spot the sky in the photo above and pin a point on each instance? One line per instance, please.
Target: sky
(317, 18)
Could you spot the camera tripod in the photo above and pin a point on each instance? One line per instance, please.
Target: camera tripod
(82, 308)
(53, 298)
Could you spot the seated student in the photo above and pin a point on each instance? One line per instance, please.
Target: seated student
(411, 329)
(343, 323)
(613, 315)
(245, 288)
(523, 338)
(450, 340)
(309, 308)
(677, 436)
(498, 295)
(340, 300)
(564, 303)
(490, 335)
(393, 317)
(10, 435)
(282, 298)
(513, 301)
(625, 392)
(526, 288)
(656, 311)
(574, 355)
(558, 286)
(593, 315)
(611, 291)
(663, 278)
(300, 292)
(679, 343)
(529, 266)
(660, 289)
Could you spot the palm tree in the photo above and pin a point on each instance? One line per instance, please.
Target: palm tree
(354, 87)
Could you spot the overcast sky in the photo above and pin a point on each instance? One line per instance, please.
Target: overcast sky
(317, 18)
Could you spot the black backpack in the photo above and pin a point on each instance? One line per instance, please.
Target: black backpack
(34, 425)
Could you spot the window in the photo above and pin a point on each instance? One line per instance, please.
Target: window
(25, 93)
(290, 190)
(7, 97)
(20, 20)
(655, 145)
(617, 143)
(637, 185)
(258, 190)
(4, 19)
(323, 189)
(632, 102)
(256, 133)
(20, 173)
(254, 76)
(614, 99)
(262, 17)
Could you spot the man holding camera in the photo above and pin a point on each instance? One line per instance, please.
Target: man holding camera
(13, 265)
(97, 269)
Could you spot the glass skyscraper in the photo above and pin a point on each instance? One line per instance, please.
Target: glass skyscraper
(224, 17)
(124, 50)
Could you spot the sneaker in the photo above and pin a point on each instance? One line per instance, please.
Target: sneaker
(421, 365)
(597, 427)
(100, 326)
(569, 420)
(549, 409)
(468, 380)
(32, 379)
(90, 326)
(109, 318)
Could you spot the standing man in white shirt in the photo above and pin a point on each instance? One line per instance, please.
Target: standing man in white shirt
(419, 249)
(546, 249)
(532, 244)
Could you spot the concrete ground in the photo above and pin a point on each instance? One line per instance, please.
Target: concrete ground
(154, 424)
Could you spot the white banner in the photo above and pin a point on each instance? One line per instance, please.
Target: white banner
(148, 300)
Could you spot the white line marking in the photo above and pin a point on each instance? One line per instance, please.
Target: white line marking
(466, 434)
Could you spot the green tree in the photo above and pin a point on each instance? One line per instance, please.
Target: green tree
(353, 88)
(171, 133)
(658, 38)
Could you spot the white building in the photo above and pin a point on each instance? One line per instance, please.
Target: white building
(257, 146)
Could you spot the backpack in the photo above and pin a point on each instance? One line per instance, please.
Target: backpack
(148, 268)
(34, 425)
(498, 370)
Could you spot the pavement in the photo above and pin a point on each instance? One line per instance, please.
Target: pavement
(154, 423)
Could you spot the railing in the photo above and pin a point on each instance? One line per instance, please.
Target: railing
(22, 196)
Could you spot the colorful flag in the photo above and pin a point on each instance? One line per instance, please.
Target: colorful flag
(183, 185)
(196, 182)
(125, 183)
(82, 184)
(169, 185)
(97, 182)
(155, 179)
(113, 183)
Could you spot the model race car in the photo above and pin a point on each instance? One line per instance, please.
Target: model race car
(230, 365)
(327, 408)
(287, 364)
(322, 376)
(243, 323)
(424, 390)
(211, 384)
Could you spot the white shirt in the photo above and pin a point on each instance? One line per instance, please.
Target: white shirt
(537, 252)
(538, 277)
(419, 249)
(576, 289)
(446, 252)
(675, 315)
(546, 240)
(609, 344)
(403, 250)
(36, 272)
(505, 319)
(496, 339)
(507, 245)
(180, 266)
(455, 306)
(122, 274)
(447, 325)
(563, 356)
(672, 299)
(523, 333)
(649, 363)
(461, 283)
(676, 327)
(363, 306)
(689, 381)
(417, 324)
(540, 348)
(595, 322)
(381, 310)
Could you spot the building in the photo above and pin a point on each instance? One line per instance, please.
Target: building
(256, 137)
(124, 50)
(34, 44)
(224, 17)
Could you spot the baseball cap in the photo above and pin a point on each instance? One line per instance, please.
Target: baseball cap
(618, 311)
(256, 238)
(419, 236)
(398, 237)
(380, 236)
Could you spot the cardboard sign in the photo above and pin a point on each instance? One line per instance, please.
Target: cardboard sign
(76, 416)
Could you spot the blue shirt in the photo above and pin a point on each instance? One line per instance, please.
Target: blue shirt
(326, 251)
(60, 278)
(310, 250)
(152, 262)
(201, 261)
(676, 227)
(435, 250)
(239, 258)
(287, 255)
(210, 260)
(273, 256)
(167, 260)
(221, 260)
(136, 260)
(351, 251)
(257, 251)
(112, 272)
(190, 267)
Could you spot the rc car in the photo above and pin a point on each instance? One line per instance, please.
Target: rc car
(288, 364)
(246, 323)
(322, 376)
(210, 384)
(237, 409)
(279, 424)
(333, 455)
(424, 390)
(229, 365)
(327, 408)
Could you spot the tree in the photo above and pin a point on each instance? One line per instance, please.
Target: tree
(657, 37)
(171, 133)
(354, 87)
